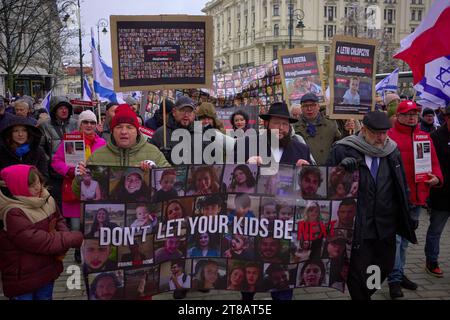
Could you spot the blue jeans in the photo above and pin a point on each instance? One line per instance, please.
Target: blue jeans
(438, 219)
(400, 252)
(43, 293)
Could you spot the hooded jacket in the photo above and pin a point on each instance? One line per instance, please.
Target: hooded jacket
(53, 130)
(34, 235)
(36, 156)
(403, 136)
(207, 109)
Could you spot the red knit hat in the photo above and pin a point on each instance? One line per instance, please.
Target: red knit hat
(124, 114)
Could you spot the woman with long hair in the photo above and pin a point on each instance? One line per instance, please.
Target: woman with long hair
(236, 278)
(312, 212)
(131, 186)
(204, 246)
(207, 274)
(242, 180)
(174, 210)
(101, 220)
(204, 181)
(312, 273)
(240, 120)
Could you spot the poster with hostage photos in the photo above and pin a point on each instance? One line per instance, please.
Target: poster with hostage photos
(161, 52)
(352, 84)
(221, 230)
(301, 74)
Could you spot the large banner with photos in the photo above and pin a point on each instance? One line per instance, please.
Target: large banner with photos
(221, 227)
(161, 52)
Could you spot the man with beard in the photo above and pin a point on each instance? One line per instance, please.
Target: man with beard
(288, 151)
(183, 117)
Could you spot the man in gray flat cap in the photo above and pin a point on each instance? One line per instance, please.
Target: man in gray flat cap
(382, 209)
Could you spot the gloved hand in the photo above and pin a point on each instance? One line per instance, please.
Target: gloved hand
(71, 172)
(349, 164)
(147, 165)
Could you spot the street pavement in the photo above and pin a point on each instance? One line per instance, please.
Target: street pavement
(429, 287)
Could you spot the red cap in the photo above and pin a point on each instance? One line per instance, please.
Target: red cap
(407, 106)
(124, 114)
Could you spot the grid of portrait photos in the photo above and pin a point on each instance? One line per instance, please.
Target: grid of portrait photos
(160, 51)
(216, 227)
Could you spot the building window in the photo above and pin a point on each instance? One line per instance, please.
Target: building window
(419, 15)
(265, 11)
(253, 19)
(413, 1)
(238, 58)
(276, 10)
(330, 12)
(245, 57)
(263, 54)
(275, 50)
(329, 31)
(413, 29)
(413, 15)
(239, 25)
(276, 30)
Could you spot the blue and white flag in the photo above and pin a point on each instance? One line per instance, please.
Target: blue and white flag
(46, 101)
(103, 76)
(390, 83)
(87, 92)
(434, 88)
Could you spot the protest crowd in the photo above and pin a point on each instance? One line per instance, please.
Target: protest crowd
(42, 190)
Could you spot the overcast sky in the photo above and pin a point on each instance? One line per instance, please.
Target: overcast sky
(94, 10)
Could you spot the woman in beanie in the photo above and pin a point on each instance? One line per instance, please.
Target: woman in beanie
(34, 238)
(19, 144)
(87, 122)
(126, 148)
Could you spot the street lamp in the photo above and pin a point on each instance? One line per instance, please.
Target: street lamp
(66, 17)
(299, 16)
(101, 23)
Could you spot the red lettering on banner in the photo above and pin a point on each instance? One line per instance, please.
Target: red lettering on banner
(314, 230)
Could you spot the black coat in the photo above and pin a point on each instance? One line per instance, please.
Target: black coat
(367, 200)
(440, 197)
(36, 156)
(293, 152)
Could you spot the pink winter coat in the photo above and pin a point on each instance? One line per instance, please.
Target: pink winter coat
(71, 209)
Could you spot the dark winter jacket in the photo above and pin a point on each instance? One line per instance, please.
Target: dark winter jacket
(384, 199)
(440, 197)
(36, 156)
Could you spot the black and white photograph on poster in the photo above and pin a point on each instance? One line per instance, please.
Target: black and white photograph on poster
(170, 248)
(311, 182)
(209, 274)
(238, 246)
(313, 273)
(106, 285)
(130, 184)
(270, 249)
(169, 183)
(344, 212)
(94, 184)
(175, 274)
(161, 51)
(240, 178)
(211, 205)
(353, 67)
(178, 208)
(204, 179)
(342, 184)
(144, 216)
(136, 254)
(301, 74)
(140, 283)
(105, 215)
(203, 245)
(279, 276)
(96, 258)
(279, 184)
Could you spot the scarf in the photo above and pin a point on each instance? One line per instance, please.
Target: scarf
(23, 150)
(311, 129)
(35, 209)
(359, 143)
(89, 142)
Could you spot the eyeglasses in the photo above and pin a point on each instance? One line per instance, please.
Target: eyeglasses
(186, 111)
(92, 123)
(308, 106)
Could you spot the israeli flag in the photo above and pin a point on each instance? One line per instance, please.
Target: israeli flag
(103, 76)
(390, 83)
(434, 88)
(87, 92)
(46, 101)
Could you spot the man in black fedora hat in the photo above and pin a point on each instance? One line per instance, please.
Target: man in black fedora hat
(382, 203)
(278, 122)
